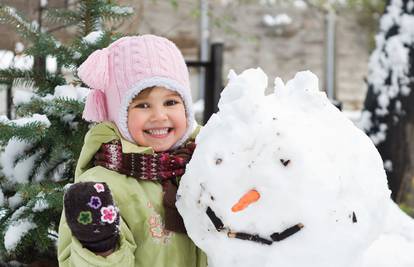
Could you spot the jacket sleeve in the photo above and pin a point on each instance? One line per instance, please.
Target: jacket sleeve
(201, 258)
(71, 253)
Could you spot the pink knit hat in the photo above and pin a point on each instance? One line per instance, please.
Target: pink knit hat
(118, 73)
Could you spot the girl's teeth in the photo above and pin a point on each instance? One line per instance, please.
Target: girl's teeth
(158, 131)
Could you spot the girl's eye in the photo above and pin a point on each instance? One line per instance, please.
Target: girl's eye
(142, 105)
(171, 102)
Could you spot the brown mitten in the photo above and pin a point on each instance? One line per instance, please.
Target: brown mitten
(92, 215)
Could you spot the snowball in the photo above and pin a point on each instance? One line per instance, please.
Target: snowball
(15, 232)
(310, 166)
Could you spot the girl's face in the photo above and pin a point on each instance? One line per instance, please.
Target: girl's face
(156, 118)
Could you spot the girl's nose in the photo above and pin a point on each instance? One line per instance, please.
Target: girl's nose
(159, 113)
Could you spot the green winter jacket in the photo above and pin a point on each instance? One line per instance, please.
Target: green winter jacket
(144, 242)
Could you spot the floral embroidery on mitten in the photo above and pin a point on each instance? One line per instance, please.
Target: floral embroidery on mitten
(85, 217)
(99, 187)
(108, 214)
(95, 202)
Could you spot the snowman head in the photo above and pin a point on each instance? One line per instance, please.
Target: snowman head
(283, 179)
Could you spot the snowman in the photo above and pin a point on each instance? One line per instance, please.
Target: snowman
(283, 179)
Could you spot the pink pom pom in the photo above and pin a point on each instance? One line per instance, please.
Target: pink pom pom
(94, 70)
(95, 107)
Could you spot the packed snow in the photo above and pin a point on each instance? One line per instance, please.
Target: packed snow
(284, 180)
(394, 248)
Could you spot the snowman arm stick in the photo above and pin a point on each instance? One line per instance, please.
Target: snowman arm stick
(250, 237)
(288, 232)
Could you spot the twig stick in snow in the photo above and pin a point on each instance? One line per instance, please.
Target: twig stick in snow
(245, 236)
(288, 232)
(214, 219)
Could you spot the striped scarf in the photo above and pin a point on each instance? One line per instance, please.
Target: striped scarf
(164, 167)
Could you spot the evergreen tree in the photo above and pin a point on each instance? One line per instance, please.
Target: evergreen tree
(39, 149)
(388, 116)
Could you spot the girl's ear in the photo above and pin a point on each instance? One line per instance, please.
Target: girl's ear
(94, 70)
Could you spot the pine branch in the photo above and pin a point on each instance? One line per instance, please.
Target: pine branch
(62, 16)
(31, 132)
(27, 30)
(17, 76)
(114, 12)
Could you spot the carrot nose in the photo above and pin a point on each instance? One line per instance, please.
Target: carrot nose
(248, 198)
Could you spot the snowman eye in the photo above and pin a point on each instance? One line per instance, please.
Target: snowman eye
(285, 162)
(219, 161)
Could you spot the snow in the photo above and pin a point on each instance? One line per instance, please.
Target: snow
(3, 212)
(18, 213)
(16, 173)
(92, 37)
(278, 20)
(122, 10)
(40, 205)
(69, 91)
(26, 120)
(6, 58)
(310, 165)
(389, 66)
(51, 64)
(1, 198)
(15, 200)
(300, 4)
(388, 165)
(43, 3)
(394, 248)
(19, 47)
(22, 97)
(15, 232)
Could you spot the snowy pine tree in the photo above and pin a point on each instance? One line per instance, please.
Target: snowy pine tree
(388, 116)
(39, 149)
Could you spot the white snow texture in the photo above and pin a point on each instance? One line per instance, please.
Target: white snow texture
(309, 164)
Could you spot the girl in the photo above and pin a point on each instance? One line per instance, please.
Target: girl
(121, 209)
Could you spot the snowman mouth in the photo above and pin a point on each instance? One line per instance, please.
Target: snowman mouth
(275, 237)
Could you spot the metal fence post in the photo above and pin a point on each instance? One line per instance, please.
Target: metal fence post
(214, 81)
(9, 101)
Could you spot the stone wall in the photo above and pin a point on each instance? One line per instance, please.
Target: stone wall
(248, 43)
